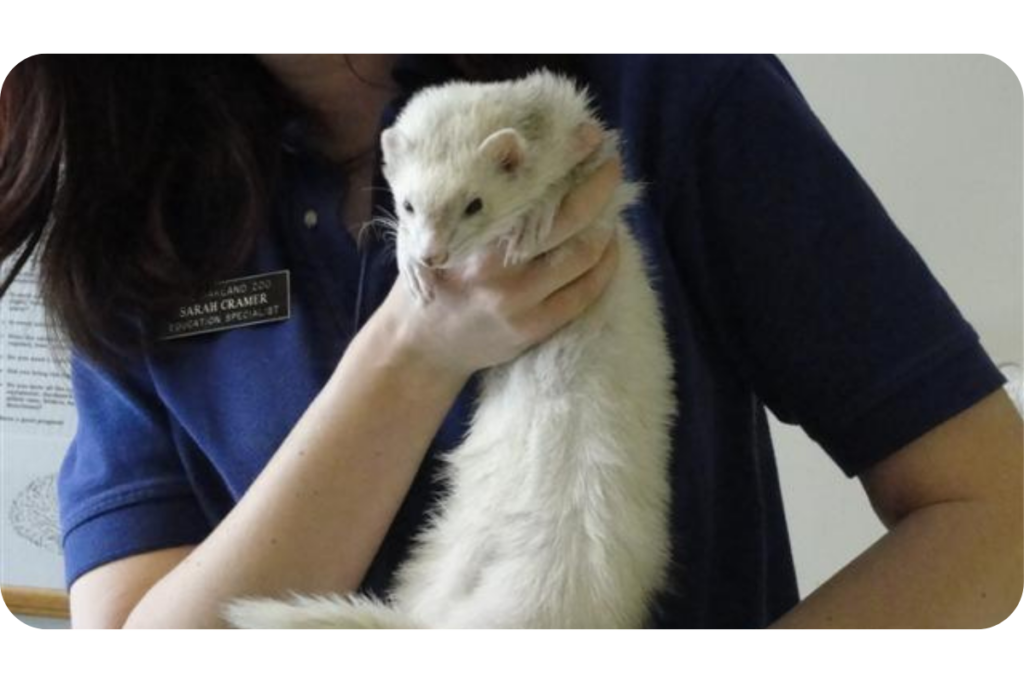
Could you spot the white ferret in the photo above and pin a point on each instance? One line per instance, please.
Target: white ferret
(557, 513)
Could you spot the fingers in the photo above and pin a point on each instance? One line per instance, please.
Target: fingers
(569, 302)
(567, 263)
(584, 203)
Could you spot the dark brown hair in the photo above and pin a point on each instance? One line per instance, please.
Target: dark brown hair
(139, 181)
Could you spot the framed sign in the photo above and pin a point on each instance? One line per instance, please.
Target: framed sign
(37, 422)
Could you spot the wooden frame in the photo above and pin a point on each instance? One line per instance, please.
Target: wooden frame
(36, 602)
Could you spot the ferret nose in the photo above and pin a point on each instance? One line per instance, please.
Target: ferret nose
(433, 251)
(433, 259)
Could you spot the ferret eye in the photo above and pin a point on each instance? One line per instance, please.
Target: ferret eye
(474, 206)
(407, 206)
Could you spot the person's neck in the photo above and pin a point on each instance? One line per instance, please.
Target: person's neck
(343, 93)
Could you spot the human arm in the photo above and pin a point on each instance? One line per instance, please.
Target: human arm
(952, 557)
(276, 537)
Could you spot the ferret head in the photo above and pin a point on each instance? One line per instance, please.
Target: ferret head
(466, 161)
(447, 207)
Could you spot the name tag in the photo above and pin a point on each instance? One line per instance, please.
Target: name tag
(230, 304)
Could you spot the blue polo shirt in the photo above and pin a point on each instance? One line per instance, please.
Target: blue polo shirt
(784, 285)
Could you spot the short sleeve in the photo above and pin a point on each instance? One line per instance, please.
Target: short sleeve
(817, 298)
(122, 489)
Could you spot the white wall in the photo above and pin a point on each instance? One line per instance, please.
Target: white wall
(939, 140)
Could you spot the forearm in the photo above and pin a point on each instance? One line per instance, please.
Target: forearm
(314, 518)
(951, 565)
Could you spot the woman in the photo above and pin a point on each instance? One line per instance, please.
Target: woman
(298, 454)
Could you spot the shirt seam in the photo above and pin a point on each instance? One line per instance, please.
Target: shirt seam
(123, 498)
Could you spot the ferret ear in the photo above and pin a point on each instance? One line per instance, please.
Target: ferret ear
(506, 148)
(394, 144)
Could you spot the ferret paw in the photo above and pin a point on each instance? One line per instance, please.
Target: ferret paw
(528, 240)
(419, 281)
(417, 277)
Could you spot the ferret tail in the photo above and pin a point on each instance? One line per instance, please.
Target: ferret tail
(305, 612)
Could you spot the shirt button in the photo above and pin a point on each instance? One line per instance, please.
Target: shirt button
(310, 219)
